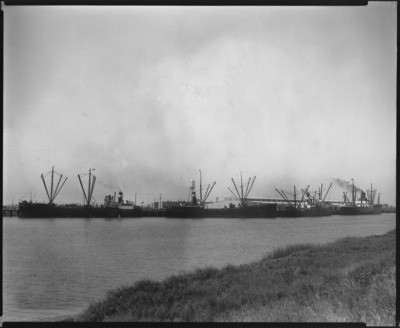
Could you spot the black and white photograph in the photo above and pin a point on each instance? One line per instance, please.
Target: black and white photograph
(173, 163)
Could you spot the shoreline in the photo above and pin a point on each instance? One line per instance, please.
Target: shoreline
(349, 280)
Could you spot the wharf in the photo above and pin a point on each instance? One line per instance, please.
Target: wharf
(9, 211)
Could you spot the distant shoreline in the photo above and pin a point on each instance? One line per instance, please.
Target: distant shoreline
(350, 280)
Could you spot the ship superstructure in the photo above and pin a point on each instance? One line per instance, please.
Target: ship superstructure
(310, 204)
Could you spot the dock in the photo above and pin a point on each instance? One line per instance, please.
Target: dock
(10, 211)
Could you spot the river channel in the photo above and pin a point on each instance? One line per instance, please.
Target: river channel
(54, 268)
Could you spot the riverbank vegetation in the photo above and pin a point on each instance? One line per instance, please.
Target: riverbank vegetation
(350, 280)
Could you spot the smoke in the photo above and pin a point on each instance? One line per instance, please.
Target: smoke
(347, 185)
(108, 185)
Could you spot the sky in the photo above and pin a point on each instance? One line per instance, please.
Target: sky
(148, 96)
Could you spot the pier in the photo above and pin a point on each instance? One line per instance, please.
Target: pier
(10, 211)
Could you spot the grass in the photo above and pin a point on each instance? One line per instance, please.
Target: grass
(352, 280)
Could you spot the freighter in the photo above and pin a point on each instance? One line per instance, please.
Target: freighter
(307, 206)
(363, 206)
(111, 208)
(197, 208)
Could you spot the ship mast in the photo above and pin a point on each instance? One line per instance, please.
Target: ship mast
(345, 198)
(53, 192)
(52, 177)
(207, 193)
(283, 195)
(327, 192)
(240, 195)
(294, 195)
(371, 195)
(201, 198)
(91, 183)
(304, 194)
(241, 182)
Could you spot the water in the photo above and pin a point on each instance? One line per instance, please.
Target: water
(54, 268)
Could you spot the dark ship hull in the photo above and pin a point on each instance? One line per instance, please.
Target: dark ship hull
(40, 210)
(292, 212)
(256, 211)
(357, 210)
(134, 212)
(289, 212)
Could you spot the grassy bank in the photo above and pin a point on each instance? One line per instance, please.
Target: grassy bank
(352, 279)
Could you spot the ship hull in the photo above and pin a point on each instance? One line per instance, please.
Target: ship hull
(292, 212)
(133, 212)
(261, 211)
(38, 210)
(354, 210)
(289, 212)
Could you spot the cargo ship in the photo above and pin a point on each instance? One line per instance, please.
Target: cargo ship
(196, 208)
(365, 205)
(307, 206)
(111, 208)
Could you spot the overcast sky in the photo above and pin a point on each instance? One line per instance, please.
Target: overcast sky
(149, 95)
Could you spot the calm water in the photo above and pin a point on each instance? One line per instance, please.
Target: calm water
(53, 268)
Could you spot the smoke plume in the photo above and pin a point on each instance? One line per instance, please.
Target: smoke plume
(108, 185)
(347, 185)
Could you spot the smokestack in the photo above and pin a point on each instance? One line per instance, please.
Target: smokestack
(193, 190)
